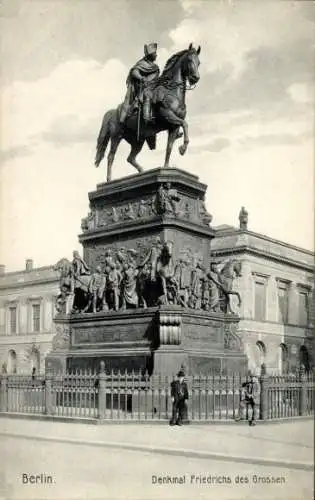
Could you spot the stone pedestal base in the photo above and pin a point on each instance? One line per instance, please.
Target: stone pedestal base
(157, 340)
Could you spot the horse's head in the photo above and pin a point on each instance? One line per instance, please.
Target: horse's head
(166, 252)
(192, 64)
(231, 267)
(186, 61)
(237, 265)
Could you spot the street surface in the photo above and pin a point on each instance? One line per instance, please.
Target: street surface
(95, 470)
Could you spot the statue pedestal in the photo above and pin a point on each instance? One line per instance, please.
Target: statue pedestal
(135, 216)
(128, 213)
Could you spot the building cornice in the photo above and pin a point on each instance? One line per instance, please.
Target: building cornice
(23, 284)
(247, 249)
(221, 233)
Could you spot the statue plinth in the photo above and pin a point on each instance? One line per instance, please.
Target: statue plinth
(155, 339)
(153, 228)
(127, 212)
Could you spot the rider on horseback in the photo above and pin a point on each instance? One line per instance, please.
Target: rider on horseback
(79, 268)
(141, 74)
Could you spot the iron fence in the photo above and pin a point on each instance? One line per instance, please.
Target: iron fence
(134, 396)
(25, 394)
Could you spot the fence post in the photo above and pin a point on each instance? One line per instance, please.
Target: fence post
(263, 413)
(303, 391)
(49, 410)
(4, 393)
(101, 391)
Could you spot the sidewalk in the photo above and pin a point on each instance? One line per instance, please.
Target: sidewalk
(286, 444)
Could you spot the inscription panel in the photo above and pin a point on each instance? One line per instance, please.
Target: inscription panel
(204, 366)
(202, 333)
(108, 334)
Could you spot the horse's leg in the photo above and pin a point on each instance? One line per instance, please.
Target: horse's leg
(111, 155)
(135, 150)
(172, 136)
(172, 118)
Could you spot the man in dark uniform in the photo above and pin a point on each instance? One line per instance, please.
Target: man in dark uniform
(249, 399)
(141, 74)
(179, 395)
(253, 396)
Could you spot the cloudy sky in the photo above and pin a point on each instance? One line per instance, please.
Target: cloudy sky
(64, 63)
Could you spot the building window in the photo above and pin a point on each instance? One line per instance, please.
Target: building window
(257, 362)
(36, 317)
(35, 361)
(260, 299)
(11, 365)
(303, 308)
(283, 359)
(304, 358)
(13, 319)
(283, 302)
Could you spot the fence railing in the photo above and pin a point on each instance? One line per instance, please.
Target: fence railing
(131, 396)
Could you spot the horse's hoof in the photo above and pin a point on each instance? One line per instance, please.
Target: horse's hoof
(182, 149)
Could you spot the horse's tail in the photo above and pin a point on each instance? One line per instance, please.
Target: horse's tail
(103, 138)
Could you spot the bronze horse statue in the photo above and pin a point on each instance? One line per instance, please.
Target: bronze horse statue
(169, 94)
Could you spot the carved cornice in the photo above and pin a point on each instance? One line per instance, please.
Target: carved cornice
(152, 177)
(141, 226)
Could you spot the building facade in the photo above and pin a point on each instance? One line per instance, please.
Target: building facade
(27, 303)
(277, 290)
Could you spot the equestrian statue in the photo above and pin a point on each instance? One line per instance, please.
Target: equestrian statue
(153, 103)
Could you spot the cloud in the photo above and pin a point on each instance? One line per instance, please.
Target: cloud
(227, 31)
(13, 153)
(267, 140)
(64, 104)
(70, 129)
(46, 34)
(208, 143)
(301, 92)
(255, 56)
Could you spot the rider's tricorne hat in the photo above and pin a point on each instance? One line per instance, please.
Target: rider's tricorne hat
(150, 48)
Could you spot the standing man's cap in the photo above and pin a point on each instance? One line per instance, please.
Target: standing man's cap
(150, 48)
(181, 373)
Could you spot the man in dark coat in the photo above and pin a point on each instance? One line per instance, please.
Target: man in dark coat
(249, 399)
(179, 395)
(253, 397)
